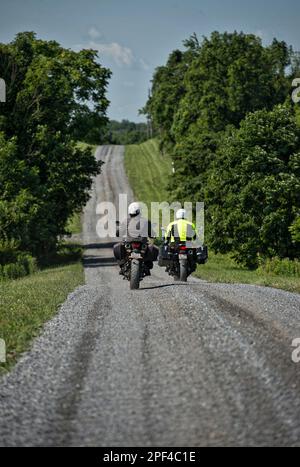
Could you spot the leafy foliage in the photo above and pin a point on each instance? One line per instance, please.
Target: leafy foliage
(168, 89)
(283, 267)
(52, 93)
(217, 109)
(125, 132)
(254, 187)
(295, 230)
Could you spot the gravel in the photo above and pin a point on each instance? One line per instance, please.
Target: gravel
(193, 364)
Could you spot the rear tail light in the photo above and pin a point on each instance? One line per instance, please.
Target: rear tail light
(136, 245)
(182, 248)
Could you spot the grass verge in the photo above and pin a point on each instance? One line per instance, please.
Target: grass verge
(222, 268)
(74, 225)
(148, 171)
(82, 145)
(27, 303)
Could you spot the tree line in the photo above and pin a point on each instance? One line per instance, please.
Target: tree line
(55, 96)
(125, 132)
(222, 109)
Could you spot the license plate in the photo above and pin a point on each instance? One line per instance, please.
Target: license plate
(136, 256)
(181, 256)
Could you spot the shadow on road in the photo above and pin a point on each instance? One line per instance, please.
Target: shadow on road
(163, 285)
(98, 261)
(98, 246)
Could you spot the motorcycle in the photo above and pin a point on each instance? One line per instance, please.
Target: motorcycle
(180, 260)
(134, 268)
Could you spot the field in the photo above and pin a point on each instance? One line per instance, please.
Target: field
(148, 171)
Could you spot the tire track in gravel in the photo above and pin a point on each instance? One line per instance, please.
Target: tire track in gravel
(193, 364)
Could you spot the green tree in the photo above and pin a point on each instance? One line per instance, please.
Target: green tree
(295, 230)
(168, 88)
(253, 190)
(232, 75)
(17, 203)
(49, 89)
(125, 132)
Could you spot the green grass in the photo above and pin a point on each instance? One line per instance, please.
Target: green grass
(82, 145)
(74, 225)
(27, 303)
(148, 171)
(221, 268)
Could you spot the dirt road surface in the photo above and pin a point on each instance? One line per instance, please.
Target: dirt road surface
(193, 364)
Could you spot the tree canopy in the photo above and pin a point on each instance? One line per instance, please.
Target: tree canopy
(52, 95)
(215, 108)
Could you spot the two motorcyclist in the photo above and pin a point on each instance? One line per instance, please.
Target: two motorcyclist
(135, 226)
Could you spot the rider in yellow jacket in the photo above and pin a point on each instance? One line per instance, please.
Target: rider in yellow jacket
(180, 230)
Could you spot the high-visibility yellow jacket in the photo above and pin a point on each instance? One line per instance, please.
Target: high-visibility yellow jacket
(181, 230)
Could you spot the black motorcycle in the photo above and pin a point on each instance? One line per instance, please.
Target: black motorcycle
(134, 268)
(180, 260)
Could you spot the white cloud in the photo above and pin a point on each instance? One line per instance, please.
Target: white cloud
(120, 54)
(94, 33)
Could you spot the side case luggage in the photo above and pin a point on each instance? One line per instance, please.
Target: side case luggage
(202, 254)
(164, 256)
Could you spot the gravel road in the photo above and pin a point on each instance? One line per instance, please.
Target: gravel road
(193, 364)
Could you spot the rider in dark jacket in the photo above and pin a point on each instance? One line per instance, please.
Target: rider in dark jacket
(136, 227)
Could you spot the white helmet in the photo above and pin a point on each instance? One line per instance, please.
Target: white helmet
(181, 214)
(134, 209)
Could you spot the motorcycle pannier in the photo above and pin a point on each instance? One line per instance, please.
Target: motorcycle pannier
(202, 254)
(154, 252)
(164, 256)
(119, 251)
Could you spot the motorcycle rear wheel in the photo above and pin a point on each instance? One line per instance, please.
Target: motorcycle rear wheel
(135, 275)
(183, 271)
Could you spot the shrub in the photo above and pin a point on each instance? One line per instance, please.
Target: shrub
(15, 264)
(280, 267)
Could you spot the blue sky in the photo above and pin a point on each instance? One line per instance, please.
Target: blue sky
(135, 36)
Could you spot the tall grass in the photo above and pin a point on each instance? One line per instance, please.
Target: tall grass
(280, 267)
(148, 172)
(222, 268)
